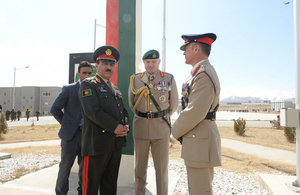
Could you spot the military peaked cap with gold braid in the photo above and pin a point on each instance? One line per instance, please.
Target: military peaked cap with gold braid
(207, 38)
(151, 54)
(106, 53)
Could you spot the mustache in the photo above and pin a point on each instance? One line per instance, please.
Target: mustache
(108, 70)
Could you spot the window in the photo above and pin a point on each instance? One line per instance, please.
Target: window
(4, 93)
(46, 93)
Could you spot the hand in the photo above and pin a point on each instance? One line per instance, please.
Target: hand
(180, 140)
(121, 130)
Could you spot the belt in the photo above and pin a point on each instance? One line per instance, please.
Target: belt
(211, 116)
(151, 115)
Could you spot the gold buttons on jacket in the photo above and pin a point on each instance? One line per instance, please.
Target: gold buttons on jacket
(194, 135)
(103, 131)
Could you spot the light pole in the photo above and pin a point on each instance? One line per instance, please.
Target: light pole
(164, 39)
(95, 33)
(14, 89)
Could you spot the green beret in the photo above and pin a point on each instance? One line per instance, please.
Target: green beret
(151, 54)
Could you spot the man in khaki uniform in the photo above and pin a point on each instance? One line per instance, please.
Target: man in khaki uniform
(153, 97)
(195, 127)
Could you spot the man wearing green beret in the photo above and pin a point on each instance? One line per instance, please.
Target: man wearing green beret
(153, 98)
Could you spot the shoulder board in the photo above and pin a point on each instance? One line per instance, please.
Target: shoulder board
(142, 75)
(98, 80)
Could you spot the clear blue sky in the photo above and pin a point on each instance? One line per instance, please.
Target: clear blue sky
(254, 48)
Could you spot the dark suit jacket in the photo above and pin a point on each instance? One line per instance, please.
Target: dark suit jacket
(66, 109)
(103, 110)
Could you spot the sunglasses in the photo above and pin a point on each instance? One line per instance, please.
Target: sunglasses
(86, 72)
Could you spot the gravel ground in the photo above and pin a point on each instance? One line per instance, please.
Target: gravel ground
(225, 182)
(15, 167)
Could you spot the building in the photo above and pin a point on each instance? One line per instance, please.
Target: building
(276, 105)
(32, 98)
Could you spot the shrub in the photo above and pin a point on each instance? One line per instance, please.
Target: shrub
(290, 134)
(276, 123)
(3, 125)
(239, 126)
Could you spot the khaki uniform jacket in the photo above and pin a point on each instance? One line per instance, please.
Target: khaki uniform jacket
(201, 142)
(103, 110)
(156, 128)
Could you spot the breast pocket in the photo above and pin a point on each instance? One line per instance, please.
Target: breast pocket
(106, 100)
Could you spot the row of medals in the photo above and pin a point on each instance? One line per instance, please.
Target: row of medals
(164, 86)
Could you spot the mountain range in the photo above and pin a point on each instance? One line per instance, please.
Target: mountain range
(253, 94)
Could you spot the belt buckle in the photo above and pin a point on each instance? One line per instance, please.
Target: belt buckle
(149, 115)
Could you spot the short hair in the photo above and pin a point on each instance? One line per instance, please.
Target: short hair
(204, 48)
(84, 64)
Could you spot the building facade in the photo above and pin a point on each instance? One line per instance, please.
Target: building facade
(276, 105)
(32, 98)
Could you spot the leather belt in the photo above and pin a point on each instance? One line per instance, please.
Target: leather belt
(211, 116)
(151, 115)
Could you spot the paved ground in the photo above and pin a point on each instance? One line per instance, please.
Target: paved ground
(43, 182)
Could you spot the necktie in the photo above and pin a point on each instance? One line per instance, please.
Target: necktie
(110, 86)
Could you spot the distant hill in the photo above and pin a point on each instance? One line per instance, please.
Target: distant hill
(236, 94)
(242, 99)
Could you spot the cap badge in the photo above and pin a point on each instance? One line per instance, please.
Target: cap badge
(108, 52)
(154, 55)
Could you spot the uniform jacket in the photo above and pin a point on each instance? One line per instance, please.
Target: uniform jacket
(156, 128)
(201, 142)
(66, 109)
(103, 110)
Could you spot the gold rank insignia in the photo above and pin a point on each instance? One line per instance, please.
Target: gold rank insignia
(108, 52)
(154, 55)
(98, 80)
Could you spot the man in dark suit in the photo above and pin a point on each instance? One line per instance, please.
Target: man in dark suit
(66, 109)
(105, 126)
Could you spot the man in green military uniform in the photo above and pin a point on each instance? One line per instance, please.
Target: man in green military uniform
(105, 125)
(13, 115)
(37, 114)
(27, 114)
(18, 114)
(153, 97)
(7, 114)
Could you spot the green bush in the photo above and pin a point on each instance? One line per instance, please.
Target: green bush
(239, 126)
(290, 134)
(276, 123)
(3, 125)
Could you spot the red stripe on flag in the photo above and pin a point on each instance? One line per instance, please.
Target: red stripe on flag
(112, 31)
(85, 175)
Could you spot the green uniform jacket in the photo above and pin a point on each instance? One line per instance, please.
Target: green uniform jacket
(103, 110)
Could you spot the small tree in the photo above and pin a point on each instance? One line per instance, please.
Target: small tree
(239, 126)
(276, 123)
(3, 126)
(290, 134)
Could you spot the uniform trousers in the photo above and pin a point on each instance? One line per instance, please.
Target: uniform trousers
(200, 180)
(101, 171)
(69, 151)
(160, 155)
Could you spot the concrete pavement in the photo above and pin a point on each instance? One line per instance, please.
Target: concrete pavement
(43, 181)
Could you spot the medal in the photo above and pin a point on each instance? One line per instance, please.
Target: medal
(162, 98)
(151, 86)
